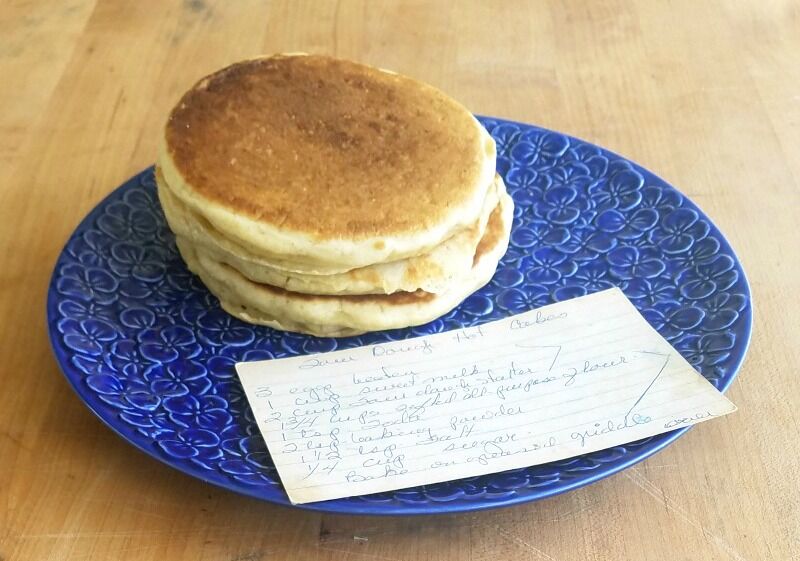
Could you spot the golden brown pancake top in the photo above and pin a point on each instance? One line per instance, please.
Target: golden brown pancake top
(326, 147)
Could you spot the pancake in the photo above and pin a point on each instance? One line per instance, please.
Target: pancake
(339, 316)
(431, 272)
(312, 161)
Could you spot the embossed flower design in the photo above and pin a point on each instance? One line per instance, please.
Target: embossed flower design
(569, 292)
(137, 318)
(586, 219)
(705, 350)
(454, 322)
(679, 230)
(243, 446)
(561, 205)
(631, 263)
(593, 276)
(700, 252)
(659, 198)
(124, 222)
(168, 344)
(643, 242)
(538, 147)
(706, 278)
(88, 336)
(616, 166)
(586, 243)
(518, 300)
(123, 393)
(649, 292)
(93, 249)
(208, 411)
(621, 191)
(522, 186)
(543, 183)
(504, 137)
(629, 225)
(145, 200)
(547, 266)
(252, 451)
(248, 457)
(177, 378)
(125, 358)
(477, 305)
(268, 338)
(133, 260)
(91, 365)
(592, 158)
(231, 391)
(539, 233)
(220, 328)
(190, 443)
(722, 310)
(195, 304)
(507, 277)
(672, 320)
(87, 284)
(182, 290)
(135, 293)
(154, 422)
(583, 152)
(247, 472)
(571, 174)
(85, 310)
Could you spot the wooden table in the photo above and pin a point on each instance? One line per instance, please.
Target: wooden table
(707, 94)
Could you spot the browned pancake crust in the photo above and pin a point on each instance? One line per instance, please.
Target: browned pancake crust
(491, 236)
(325, 147)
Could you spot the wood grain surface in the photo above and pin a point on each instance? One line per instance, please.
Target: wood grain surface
(706, 94)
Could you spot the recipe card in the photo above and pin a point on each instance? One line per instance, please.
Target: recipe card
(549, 384)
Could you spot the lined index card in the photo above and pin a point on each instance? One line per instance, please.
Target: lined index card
(556, 382)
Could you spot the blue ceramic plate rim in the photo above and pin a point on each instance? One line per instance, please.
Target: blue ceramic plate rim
(393, 509)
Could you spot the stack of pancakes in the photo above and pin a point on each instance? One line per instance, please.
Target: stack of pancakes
(322, 196)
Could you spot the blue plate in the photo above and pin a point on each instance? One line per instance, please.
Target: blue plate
(150, 351)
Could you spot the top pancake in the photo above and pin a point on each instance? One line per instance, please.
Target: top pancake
(321, 160)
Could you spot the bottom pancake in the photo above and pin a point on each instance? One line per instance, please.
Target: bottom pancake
(340, 316)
